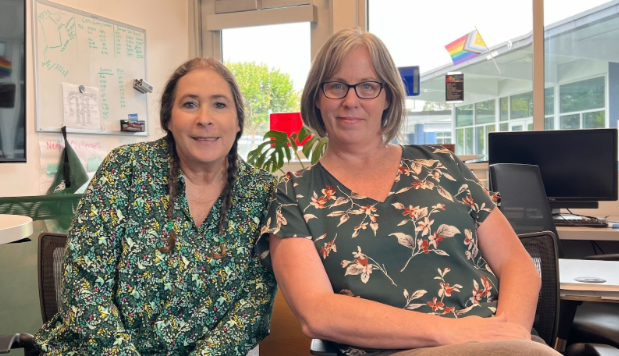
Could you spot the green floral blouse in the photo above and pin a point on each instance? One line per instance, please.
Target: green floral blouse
(121, 296)
(417, 250)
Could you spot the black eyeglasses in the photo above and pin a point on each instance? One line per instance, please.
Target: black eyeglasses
(364, 90)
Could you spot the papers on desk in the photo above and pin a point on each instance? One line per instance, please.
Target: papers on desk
(572, 269)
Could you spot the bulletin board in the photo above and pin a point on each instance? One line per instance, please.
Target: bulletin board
(85, 66)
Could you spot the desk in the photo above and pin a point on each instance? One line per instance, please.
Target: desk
(588, 233)
(14, 227)
(596, 292)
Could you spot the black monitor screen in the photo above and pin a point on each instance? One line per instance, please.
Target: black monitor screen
(576, 165)
(12, 81)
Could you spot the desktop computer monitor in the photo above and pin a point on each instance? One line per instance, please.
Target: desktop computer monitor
(578, 167)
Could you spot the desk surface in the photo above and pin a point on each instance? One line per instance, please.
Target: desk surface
(588, 233)
(14, 227)
(574, 290)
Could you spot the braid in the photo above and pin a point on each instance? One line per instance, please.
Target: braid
(227, 193)
(172, 185)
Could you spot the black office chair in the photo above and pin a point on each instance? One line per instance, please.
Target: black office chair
(524, 203)
(49, 262)
(542, 247)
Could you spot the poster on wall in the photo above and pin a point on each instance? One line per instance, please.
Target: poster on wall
(454, 87)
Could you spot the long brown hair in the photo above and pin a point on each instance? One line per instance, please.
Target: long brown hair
(165, 114)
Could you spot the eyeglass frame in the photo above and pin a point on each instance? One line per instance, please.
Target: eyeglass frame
(322, 86)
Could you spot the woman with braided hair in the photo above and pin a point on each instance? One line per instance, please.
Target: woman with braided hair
(160, 257)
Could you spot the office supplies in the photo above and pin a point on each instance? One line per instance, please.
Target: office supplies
(142, 86)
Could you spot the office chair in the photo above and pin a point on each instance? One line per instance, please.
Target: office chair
(525, 205)
(49, 262)
(542, 247)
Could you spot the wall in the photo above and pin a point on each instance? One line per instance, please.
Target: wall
(166, 25)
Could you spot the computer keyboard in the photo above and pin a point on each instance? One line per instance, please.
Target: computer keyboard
(585, 222)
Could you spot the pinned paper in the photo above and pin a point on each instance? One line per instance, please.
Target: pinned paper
(81, 107)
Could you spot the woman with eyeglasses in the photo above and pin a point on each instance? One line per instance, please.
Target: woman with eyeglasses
(160, 256)
(388, 249)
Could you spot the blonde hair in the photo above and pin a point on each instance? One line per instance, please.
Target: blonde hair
(329, 60)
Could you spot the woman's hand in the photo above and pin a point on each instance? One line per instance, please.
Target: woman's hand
(478, 329)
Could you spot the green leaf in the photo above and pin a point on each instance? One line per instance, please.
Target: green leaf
(303, 133)
(315, 148)
(278, 149)
(270, 154)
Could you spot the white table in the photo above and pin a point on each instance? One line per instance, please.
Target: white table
(596, 292)
(588, 233)
(14, 227)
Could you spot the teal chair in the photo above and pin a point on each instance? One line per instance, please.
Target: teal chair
(59, 208)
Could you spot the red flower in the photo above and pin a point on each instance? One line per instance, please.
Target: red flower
(410, 211)
(449, 310)
(362, 261)
(329, 192)
(403, 170)
(487, 285)
(448, 289)
(436, 305)
(327, 248)
(439, 206)
(417, 185)
(425, 245)
(368, 209)
(469, 201)
(319, 202)
(435, 238)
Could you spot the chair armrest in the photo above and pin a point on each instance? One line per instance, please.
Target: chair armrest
(18, 341)
(323, 348)
(590, 349)
(604, 257)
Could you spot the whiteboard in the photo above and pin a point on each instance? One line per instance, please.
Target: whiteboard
(78, 48)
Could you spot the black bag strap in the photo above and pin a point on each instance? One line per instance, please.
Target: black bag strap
(66, 172)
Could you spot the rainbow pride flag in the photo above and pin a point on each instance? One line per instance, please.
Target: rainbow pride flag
(466, 47)
(5, 67)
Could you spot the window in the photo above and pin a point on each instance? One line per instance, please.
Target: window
(582, 105)
(580, 71)
(521, 106)
(443, 137)
(508, 70)
(583, 95)
(464, 115)
(481, 119)
(270, 64)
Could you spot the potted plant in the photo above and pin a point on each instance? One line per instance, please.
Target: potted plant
(278, 148)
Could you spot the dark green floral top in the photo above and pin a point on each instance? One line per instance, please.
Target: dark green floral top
(417, 250)
(121, 296)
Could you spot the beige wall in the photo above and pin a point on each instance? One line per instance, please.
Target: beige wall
(166, 25)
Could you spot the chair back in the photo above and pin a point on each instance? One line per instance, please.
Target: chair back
(50, 255)
(542, 247)
(523, 198)
(43, 207)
